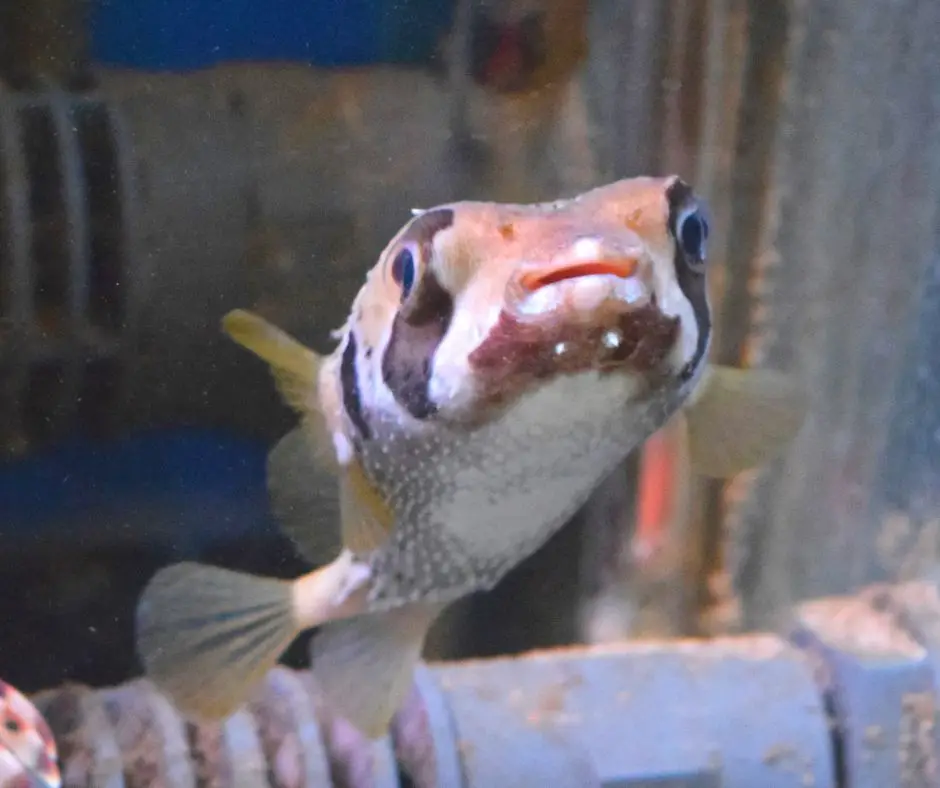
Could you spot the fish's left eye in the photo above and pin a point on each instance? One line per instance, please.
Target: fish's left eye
(693, 234)
(403, 271)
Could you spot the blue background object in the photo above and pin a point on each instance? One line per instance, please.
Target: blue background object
(190, 34)
(85, 524)
(184, 490)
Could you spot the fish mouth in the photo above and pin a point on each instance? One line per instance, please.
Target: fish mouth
(622, 268)
(582, 291)
(593, 313)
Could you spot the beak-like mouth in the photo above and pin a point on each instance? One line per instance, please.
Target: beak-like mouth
(622, 267)
(581, 289)
(589, 311)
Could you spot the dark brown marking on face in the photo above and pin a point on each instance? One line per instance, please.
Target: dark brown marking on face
(507, 231)
(517, 354)
(421, 322)
(690, 270)
(422, 230)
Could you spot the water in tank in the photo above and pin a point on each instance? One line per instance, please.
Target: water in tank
(165, 162)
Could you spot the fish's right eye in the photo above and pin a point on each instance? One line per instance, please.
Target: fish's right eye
(403, 271)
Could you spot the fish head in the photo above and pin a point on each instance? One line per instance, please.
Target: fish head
(472, 304)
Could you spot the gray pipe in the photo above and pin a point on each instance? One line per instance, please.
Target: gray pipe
(844, 698)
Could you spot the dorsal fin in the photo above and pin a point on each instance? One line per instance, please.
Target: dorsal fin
(295, 367)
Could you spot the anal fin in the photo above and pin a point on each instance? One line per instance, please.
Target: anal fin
(365, 665)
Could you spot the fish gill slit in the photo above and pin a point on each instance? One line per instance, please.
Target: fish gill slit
(349, 381)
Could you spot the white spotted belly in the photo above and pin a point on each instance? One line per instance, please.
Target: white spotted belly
(532, 469)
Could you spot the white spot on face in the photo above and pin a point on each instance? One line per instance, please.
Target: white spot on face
(587, 248)
(612, 339)
(561, 348)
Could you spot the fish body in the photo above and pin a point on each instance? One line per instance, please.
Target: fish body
(510, 414)
(471, 526)
(498, 362)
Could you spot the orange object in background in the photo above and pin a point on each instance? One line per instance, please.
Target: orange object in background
(662, 492)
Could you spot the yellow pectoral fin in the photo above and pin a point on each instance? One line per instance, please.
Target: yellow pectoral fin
(738, 419)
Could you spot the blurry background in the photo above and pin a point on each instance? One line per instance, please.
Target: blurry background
(164, 161)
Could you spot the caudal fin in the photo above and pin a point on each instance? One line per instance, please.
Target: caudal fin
(207, 635)
(365, 665)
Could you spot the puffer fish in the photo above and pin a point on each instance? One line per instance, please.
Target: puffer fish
(28, 752)
(498, 362)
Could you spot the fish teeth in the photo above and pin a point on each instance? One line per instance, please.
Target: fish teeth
(630, 290)
(589, 292)
(584, 294)
(541, 301)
